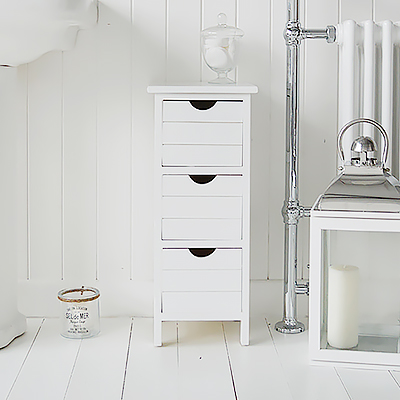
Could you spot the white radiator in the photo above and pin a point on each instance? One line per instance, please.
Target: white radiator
(369, 71)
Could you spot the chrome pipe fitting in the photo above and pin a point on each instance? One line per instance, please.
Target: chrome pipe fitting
(292, 211)
(302, 288)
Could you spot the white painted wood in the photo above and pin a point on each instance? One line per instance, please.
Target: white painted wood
(80, 159)
(274, 364)
(203, 368)
(51, 356)
(195, 87)
(257, 19)
(11, 322)
(207, 303)
(45, 170)
(221, 111)
(184, 259)
(202, 281)
(386, 10)
(306, 382)
(201, 229)
(12, 357)
(114, 125)
(201, 155)
(208, 219)
(275, 142)
(183, 40)
(256, 369)
(17, 84)
(396, 376)
(318, 118)
(201, 207)
(145, 44)
(152, 372)
(369, 384)
(200, 133)
(148, 58)
(358, 10)
(184, 185)
(101, 373)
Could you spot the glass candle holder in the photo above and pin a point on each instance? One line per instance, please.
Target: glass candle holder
(80, 317)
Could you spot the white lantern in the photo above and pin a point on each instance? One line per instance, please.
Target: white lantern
(354, 260)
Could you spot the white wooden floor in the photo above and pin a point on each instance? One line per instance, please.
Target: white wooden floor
(197, 361)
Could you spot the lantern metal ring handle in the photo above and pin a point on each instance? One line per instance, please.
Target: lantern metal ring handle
(376, 124)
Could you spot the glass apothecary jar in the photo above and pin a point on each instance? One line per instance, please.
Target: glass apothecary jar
(219, 48)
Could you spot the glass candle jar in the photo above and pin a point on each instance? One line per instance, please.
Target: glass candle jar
(80, 317)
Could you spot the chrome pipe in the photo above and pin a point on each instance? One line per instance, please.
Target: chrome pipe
(329, 34)
(291, 207)
(292, 211)
(292, 10)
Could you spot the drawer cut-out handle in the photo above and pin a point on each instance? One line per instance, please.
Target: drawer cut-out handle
(201, 252)
(202, 179)
(203, 104)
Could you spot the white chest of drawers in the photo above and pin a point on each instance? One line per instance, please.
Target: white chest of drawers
(202, 204)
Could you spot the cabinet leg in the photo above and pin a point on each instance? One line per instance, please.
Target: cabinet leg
(244, 332)
(157, 332)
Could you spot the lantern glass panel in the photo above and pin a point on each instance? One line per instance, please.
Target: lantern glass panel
(360, 291)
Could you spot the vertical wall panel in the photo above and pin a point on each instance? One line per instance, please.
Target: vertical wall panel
(276, 130)
(358, 10)
(45, 166)
(20, 90)
(148, 67)
(183, 40)
(386, 10)
(86, 155)
(114, 139)
(80, 112)
(210, 11)
(13, 191)
(318, 126)
(254, 19)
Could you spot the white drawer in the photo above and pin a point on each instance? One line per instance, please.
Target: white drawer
(201, 207)
(202, 185)
(202, 302)
(199, 258)
(221, 133)
(201, 229)
(202, 280)
(192, 155)
(213, 111)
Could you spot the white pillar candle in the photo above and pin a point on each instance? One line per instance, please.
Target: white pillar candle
(343, 289)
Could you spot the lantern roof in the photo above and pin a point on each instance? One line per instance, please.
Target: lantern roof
(371, 189)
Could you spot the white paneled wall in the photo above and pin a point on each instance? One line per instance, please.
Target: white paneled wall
(77, 141)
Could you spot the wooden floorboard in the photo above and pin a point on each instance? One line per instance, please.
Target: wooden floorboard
(203, 363)
(100, 365)
(364, 384)
(47, 370)
(12, 357)
(257, 370)
(306, 382)
(152, 372)
(198, 360)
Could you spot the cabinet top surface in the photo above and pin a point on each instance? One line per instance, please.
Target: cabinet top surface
(202, 87)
